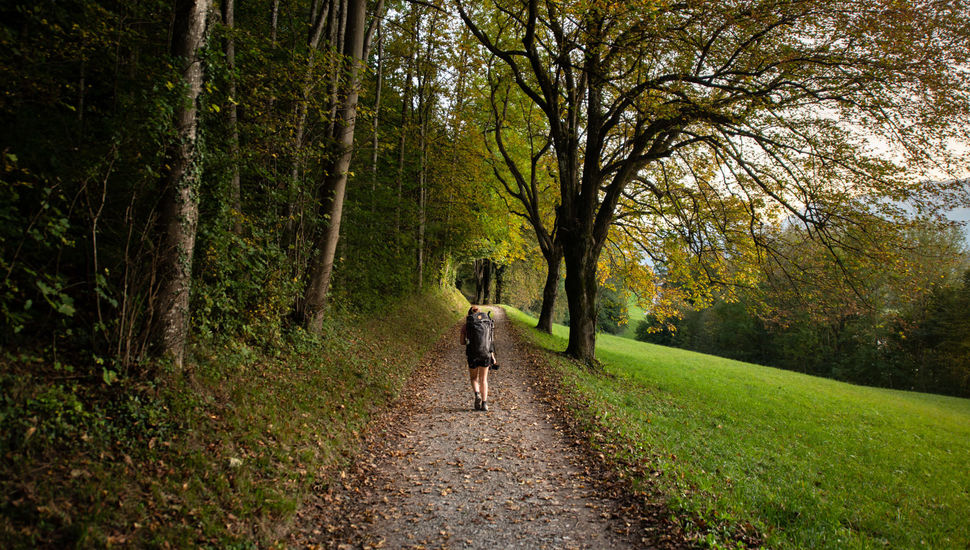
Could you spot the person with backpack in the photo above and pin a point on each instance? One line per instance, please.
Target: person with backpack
(477, 337)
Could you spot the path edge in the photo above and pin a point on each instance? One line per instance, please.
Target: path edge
(641, 516)
(379, 434)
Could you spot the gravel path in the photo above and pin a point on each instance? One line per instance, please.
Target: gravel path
(438, 474)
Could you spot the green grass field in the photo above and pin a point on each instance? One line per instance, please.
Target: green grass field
(636, 315)
(810, 462)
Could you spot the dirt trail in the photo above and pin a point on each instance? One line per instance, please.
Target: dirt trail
(441, 475)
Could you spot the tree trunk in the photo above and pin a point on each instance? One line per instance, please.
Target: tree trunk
(336, 182)
(235, 189)
(274, 18)
(179, 211)
(426, 101)
(499, 282)
(423, 113)
(550, 290)
(479, 267)
(402, 146)
(377, 109)
(486, 281)
(271, 103)
(581, 296)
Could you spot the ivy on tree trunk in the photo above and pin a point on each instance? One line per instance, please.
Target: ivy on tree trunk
(179, 214)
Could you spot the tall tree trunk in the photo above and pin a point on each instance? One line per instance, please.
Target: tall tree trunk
(550, 290)
(402, 146)
(425, 105)
(179, 212)
(487, 281)
(274, 151)
(235, 190)
(274, 18)
(336, 182)
(377, 106)
(478, 266)
(581, 286)
(423, 111)
(499, 282)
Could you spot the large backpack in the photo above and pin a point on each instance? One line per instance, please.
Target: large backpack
(478, 335)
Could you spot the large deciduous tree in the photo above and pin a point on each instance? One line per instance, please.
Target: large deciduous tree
(179, 214)
(777, 104)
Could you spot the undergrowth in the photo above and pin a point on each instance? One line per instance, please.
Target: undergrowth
(218, 455)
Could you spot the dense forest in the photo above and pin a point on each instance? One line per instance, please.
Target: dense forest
(155, 188)
(768, 180)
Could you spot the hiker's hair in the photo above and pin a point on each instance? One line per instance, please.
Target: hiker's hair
(473, 309)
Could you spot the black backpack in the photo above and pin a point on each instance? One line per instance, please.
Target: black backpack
(478, 335)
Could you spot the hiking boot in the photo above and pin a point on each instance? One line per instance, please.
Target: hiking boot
(478, 401)
(484, 406)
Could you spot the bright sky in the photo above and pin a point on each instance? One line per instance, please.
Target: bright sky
(962, 215)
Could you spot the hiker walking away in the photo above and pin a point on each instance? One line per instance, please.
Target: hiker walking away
(476, 336)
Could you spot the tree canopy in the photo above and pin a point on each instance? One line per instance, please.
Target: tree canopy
(772, 106)
(237, 174)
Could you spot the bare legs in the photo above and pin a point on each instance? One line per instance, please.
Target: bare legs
(480, 381)
(473, 377)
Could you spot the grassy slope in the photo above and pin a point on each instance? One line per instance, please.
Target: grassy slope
(636, 315)
(220, 458)
(810, 462)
